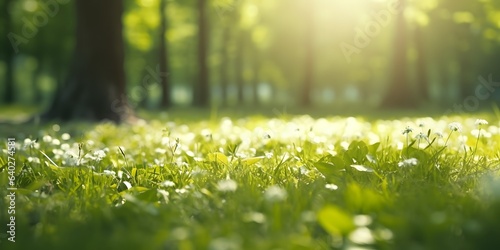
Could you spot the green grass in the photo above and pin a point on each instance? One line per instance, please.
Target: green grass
(256, 182)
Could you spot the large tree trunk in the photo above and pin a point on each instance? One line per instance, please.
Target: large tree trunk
(164, 78)
(309, 59)
(240, 81)
(9, 93)
(224, 65)
(255, 76)
(422, 80)
(95, 88)
(201, 90)
(399, 94)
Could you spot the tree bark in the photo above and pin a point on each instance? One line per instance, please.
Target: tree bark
(240, 82)
(95, 88)
(201, 92)
(309, 59)
(224, 65)
(422, 80)
(400, 94)
(9, 90)
(164, 78)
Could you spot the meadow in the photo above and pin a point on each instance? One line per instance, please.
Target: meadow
(255, 182)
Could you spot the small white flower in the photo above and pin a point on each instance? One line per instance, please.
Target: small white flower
(455, 126)
(331, 186)
(408, 162)
(480, 122)
(99, 154)
(407, 130)
(168, 183)
(47, 138)
(227, 185)
(65, 136)
(421, 136)
(439, 134)
(275, 194)
(109, 172)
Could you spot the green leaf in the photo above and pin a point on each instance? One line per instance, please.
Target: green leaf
(251, 160)
(218, 158)
(335, 221)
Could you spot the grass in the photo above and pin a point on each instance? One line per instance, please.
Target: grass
(293, 182)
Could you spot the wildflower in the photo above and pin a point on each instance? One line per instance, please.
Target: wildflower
(275, 193)
(455, 126)
(407, 130)
(408, 162)
(65, 136)
(99, 154)
(439, 134)
(227, 185)
(109, 172)
(168, 183)
(331, 186)
(480, 122)
(421, 136)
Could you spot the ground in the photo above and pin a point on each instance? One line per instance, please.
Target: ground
(255, 182)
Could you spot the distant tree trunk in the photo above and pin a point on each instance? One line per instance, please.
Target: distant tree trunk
(201, 91)
(164, 77)
(400, 93)
(422, 80)
(255, 77)
(239, 68)
(224, 65)
(9, 91)
(465, 59)
(95, 88)
(309, 60)
(37, 95)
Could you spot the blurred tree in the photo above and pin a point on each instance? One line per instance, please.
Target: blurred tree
(8, 57)
(422, 80)
(95, 88)
(201, 90)
(164, 78)
(308, 82)
(400, 93)
(238, 66)
(224, 83)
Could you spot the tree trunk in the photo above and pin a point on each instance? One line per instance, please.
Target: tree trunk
(422, 80)
(201, 90)
(95, 88)
(224, 65)
(400, 93)
(239, 68)
(309, 55)
(9, 90)
(256, 77)
(164, 78)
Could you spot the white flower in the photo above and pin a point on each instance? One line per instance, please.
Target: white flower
(99, 154)
(331, 186)
(455, 126)
(109, 172)
(421, 136)
(47, 138)
(275, 193)
(407, 130)
(408, 162)
(227, 185)
(65, 136)
(480, 122)
(168, 183)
